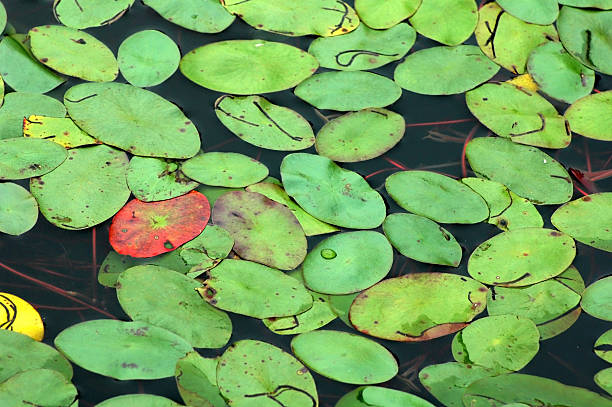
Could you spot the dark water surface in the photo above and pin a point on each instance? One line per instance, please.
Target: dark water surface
(70, 259)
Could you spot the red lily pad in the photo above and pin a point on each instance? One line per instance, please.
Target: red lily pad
(146, 229)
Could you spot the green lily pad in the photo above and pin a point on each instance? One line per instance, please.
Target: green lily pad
(246, 288)
(231, 170)
(257, 66)
(133, 350)
(522, 257)
(331, 193)
(253, 373)
(136, 120)
(22, 158)
(311, 225)
(520, 214)
(138, 400)
(196, 379)
(542, 12)
(73, 53)
(597, 299)
(21, 353)
(18, 105)
(71, 198)
(326, 353)
(348, 262)
(37, 387)
(603, 378)
(408, 308)
(214, 193)
(451, 27)
(348, 90)
(206, 250)
(588, 116)
(558, 74)
(519, 114)
(437, 197)
(586, 35)
(601, 4)
(360, 136)
(316, 17)
(148, 58)
(496, 195)
(2, 17)
(527, 171)
(207, 16)
(364, 48)
(422, 239)
(22, 72)
(18, 209)
(352, 399)
(264, 124)
(264, 231)
(156, 179)
(89, 13)
(167, 299)
(445, 70)
(379, 15)
(382, 396)
(60, 130)
(341, 305)
(604, 340)
(508, 41)
(587, 220)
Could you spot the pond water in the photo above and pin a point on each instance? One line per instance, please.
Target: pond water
(70, 259)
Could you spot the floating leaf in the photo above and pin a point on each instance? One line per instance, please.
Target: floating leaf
(71, 198)
(341, 305)
(422, 239)
(382, 396)
(588, 116)
(452, 26)
(331, 193)
(257, 66)
(73, 53)
(603, 378)
(522, 257)
(254, 290)
(597, 299)
(263, 124)
(437, 197)
(133, 350)
(348, 90)
(520, 214)
(196, 379)
(348, 262)
(353, 399)
(326, 353)
(527, 171)
(316, 17)
(254, 373)
(18, 105)
(360, 136)
(263, 230)
(20, 316)
(37, 387)
(18, 209)
(2, 17)
(138, 400)
(408, 308)
(524, 81)
(60, 130)
(385, 14)
(601, 4)
(89, 13)
(22, 158)
(364, 48)
(206, 250)
(496, 195)
(516, 113)
(542, 12)
(136, 120)
(206, 16)
(604, 340)
(146, 229)
(156, 179)
(231, 170)
(444, 70)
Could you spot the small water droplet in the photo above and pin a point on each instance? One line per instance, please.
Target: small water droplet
(328, 254)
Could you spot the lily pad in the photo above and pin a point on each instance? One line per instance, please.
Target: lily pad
(73, 53)
(379, 15)
(138, 400)
(588, 116)
(89, 13)
(146, 229)
(207, 250)
(316, 17)
(341, 305)
(407, 308)
(597, 299)
(207, 16)
(20, 316)
(601, 4)
(496, 195)
(326, 353)
(264, 124)
(37, 387)
(60, 130)
(257, 66)
(18, 105)
(348, 262)
(445, 70)
(422, 239)
(360, 136)
(254, 290)
(136, 120)
(22, 158)
(148, 58)
(2, 17)
(348, 90)
(382, 396)
(520, 214)
(71, 198)
(196, 379)
(364, 48)
(518, 114)
(18, 209)
(604, 341)
(231, 170)
(331, 193)
(451, 27)
(603, 378)
(156, 179)
(527, 171)
(542, 12)
(437, 197)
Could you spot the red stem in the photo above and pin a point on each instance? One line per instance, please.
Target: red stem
(467, 140)
(439, 123)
